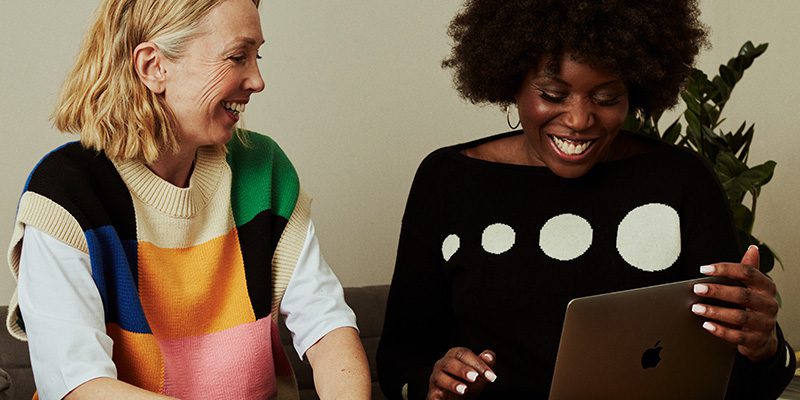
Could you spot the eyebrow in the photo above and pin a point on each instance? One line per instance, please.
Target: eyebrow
(247, 40)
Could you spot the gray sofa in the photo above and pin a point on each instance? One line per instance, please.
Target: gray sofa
(369, 303)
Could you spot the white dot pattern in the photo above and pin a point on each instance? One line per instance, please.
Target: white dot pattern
(649, 237)
(450, 246)
(498, 238)
(565, 237)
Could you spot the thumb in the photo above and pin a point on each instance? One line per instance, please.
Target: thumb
(751, 257)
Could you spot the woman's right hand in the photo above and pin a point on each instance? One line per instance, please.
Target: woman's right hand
(461, 374)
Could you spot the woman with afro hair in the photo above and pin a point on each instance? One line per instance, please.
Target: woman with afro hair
(500, 233)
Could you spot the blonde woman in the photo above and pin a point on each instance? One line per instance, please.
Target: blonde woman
(154, 256)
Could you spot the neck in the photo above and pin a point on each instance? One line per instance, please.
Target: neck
(175, 168)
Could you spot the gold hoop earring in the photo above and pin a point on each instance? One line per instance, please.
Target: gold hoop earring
(508, 118)
(639, 114)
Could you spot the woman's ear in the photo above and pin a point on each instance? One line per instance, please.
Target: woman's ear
(147, 62)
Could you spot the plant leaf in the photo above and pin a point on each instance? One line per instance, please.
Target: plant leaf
(672, 133)
(743, 217)
(766, 258)
(729, 75)
(761, 174)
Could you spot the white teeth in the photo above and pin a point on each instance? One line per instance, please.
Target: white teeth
(234, 107)
(571, 147)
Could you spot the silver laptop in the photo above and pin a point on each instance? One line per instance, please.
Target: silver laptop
(640, 344)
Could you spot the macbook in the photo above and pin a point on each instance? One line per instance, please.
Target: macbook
(640, 344)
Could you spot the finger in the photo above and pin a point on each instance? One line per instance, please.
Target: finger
(448, 384)
(751, 257)
(749, 320)
(747, 339)
(489, 357)
(436, 393)
(743, 296)
(745, 274)
(470, 366)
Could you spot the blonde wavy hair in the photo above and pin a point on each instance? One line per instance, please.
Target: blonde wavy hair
(103, 99)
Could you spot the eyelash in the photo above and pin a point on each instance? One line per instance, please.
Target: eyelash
(550, 98)
(560, 99)
(241, 59)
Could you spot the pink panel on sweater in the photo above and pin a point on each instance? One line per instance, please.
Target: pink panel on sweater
(232, 364)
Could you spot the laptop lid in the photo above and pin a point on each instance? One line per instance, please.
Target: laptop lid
(640, 344)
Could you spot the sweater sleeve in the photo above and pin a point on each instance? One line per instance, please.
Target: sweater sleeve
(418, 315)
(764, 380)
(709, 237)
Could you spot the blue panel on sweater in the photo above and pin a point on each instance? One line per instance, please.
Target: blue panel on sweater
(115, 272)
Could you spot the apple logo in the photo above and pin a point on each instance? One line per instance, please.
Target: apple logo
(652, 356)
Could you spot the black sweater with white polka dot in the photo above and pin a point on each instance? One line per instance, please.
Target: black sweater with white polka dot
(490, 254)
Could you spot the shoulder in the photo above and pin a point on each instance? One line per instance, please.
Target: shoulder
(72, 190)
(77, 179)
(68, 167)
(687, 163)
(248, 150)
(459, 156)
(262, 175)
(246, 142)
(666, 156)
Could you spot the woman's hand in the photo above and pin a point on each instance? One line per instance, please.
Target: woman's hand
(751, 328)
(461, 373)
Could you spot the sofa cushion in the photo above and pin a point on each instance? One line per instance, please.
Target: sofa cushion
(5, 380)
(16, 377)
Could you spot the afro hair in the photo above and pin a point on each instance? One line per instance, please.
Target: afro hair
(651, 45)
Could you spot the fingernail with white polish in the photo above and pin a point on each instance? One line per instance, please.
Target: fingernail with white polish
(471, 376)
(700, 288)
(490, 376)
(461, 388)
(488, 357)
(707, 269)
(698, 309)
(709, 326)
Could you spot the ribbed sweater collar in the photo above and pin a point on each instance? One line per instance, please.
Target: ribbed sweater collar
(168, 198)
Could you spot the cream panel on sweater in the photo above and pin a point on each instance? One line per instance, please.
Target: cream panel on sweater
(171, 217)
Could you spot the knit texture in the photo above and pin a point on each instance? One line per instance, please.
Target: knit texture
(190, 278)
(490, 254)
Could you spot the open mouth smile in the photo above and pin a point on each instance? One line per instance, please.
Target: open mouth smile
(571, 147)
(234, 109)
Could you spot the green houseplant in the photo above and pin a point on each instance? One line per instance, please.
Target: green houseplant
(727, 152)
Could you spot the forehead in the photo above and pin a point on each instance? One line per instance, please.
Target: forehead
(571, 70)
(233, 21)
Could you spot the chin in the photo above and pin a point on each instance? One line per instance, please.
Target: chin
(569, 171)
(569, 174)
(223, 137)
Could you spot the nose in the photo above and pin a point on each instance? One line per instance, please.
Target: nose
(579, 115)
(253, 81)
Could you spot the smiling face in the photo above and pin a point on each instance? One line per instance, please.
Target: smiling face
(571, 117)
(208, 86)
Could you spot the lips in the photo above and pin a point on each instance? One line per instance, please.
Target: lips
(571, 147)
(233, 109)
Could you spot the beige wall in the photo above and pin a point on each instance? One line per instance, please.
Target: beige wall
(356, 97)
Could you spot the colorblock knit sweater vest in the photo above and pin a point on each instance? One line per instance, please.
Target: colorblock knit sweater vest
(190, 278)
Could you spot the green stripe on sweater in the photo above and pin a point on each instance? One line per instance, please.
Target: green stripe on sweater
(263, 177)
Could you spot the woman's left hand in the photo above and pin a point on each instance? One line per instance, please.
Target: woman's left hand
(751, 328)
